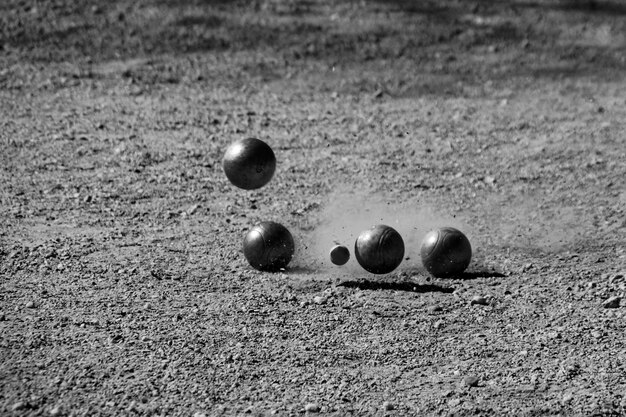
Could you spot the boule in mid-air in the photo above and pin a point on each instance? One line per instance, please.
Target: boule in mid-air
(445, 252)
(339, 255)
(249, 163)
(379, 250)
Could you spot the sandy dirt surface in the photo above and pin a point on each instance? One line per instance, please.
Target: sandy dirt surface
(124, 289)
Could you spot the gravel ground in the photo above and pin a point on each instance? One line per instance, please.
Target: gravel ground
(124, 289)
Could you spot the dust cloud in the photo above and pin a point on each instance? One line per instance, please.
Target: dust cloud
(349, 212)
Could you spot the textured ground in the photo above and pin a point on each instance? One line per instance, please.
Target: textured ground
(123, 285)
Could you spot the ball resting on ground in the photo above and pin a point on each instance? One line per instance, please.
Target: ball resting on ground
(379, 250)
(445, 252)
(268, 246)
(249, 163)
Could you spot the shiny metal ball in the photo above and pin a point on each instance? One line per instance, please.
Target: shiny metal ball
(268, 246)
(379, 250)
(249, 163)
(339, 255)
(445, 252)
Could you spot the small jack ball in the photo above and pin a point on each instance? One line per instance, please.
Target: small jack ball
(379, 250)
(445, 252)
(339, 255)
(268, 246)
(249, 163)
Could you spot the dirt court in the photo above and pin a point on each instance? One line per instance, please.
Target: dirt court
(124, 289)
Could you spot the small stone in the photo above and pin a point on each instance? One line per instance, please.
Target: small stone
(612, 302)
(55, 411)
(319, 300)
(567, 398)
(18, 406)
(435, 308)
(388, 406)
(470, 381)
(199, 414)
(2, 317)
(30, 304)
(479, 300)
(311, 408)
(454, 402)
(438, 324)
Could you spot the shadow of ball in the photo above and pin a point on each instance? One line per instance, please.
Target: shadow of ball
(379, 250)
(268, 246)
(249, 163)
(339, 255)
(445, 252)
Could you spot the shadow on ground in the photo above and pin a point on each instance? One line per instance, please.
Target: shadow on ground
(365, 284)
(479, 274)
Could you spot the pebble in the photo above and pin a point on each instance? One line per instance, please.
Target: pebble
(311, 408)
(17, 406)
(454, 402)
(30, 304)
(480, 300)
(199, 414)
(612, 302)
(319, 299)
(435, 308)
(388, 406)
(56, 411)
(470, 381)
(2, 317)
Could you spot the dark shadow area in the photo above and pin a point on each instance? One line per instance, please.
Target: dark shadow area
(431, 8)
(586, 6)
(437, 8)
(480, 274)
(205, 21)
(365, 284)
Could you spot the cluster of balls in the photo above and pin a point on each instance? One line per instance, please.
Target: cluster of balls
(269, 246)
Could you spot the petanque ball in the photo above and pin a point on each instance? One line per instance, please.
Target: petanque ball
(339, 255)
(445, 252)
(268, 246)
(249, 163)
(379, 250)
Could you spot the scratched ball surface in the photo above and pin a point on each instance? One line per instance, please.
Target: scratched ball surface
(379, 250)
(268, 246)
(339, 255)
(445, 252)
(249, 163)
